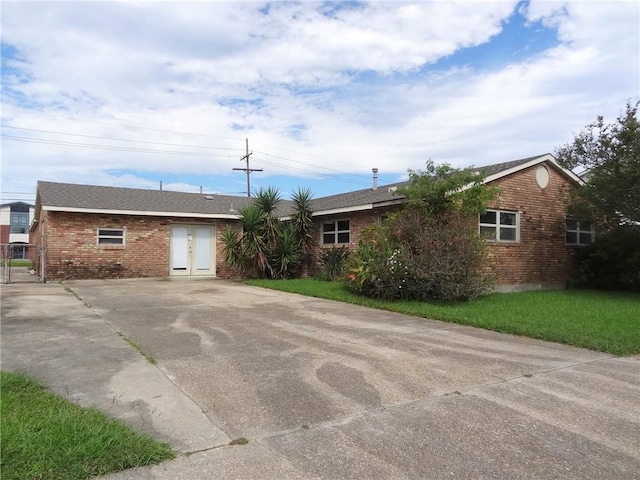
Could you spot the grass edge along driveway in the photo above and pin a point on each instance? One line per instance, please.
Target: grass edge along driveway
(604, 321)
(47, 437)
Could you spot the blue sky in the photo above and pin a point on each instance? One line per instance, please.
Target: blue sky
(134, 93)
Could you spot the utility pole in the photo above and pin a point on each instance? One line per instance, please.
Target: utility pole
(248, 170)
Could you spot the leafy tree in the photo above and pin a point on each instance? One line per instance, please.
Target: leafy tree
(610, 153)
(442, 188)
(612, 262)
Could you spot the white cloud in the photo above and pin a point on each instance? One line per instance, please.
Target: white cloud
(349, 86)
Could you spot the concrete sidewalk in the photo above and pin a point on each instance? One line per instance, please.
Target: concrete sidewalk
(322, 389)
(50, 334)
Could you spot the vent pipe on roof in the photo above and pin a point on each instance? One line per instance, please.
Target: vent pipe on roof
(160, 185)
(375, 178)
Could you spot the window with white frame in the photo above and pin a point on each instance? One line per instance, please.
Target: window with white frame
(336, 232)
(111, 236)
(499, 226)
(579, 233)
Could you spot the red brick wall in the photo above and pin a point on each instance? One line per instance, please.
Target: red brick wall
(4, 233)
(541, 257)
(358, 222)
(72, 251)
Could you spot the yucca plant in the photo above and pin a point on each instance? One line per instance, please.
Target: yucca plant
(301, 220)
(332, 261)
(232, 250)
(267, 246)
(253, 246)
(287, 255)
(266, 201)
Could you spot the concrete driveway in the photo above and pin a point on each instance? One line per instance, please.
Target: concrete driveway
(323, 389)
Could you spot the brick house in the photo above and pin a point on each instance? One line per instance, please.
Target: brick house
(531, 242)
(109, 232)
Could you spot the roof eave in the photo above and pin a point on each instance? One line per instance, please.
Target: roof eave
(535, 161)
(336, 211)
(146, 213)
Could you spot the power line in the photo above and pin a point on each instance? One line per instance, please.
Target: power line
(121, 139)
(299, 153)
(248, 170)
(112, 147)
(311, 172)
(317, 166)
(78, 119)
(171, 152)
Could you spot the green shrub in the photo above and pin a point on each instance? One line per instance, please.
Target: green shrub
(419, 255)
(332, 261)
(265, 246)
(612, 262)
(286, 255)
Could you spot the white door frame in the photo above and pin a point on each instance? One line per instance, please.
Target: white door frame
(192, 250)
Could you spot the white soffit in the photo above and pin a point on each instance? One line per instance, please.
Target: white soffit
(140, 213)
(541, 159)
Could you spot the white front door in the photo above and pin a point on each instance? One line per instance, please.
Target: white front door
(192, 250)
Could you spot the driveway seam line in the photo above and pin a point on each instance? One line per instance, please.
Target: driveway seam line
(347, 418)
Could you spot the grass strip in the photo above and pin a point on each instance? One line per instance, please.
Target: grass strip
(148, 357)
(45, 437)
(18, 262)
(604, 321)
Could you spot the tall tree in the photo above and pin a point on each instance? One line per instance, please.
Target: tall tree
(610, 155)
(442, 188)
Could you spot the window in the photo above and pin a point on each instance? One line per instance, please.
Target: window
(579, 233)
(111, 236)
(336, 232)
(18, 250)
(499, 226)
(19, 222)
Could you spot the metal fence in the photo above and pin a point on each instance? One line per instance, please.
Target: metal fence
(21, 263)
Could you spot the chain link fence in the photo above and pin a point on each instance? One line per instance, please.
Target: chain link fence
(21, 263)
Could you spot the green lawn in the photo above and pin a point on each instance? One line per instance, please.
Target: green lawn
(19, 263)
(47, 437)
(604, 321)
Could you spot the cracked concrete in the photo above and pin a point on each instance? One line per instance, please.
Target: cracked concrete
(323, 389)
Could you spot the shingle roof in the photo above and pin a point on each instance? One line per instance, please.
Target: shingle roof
(385, 194)
(359, 197)
(61, 196)
(500, 167)
(16, 203)
(91, 197)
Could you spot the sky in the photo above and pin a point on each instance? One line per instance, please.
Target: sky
(134, 93)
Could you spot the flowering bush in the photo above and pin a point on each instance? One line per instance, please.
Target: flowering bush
(418, 255)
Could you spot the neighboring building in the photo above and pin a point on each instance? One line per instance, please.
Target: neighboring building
(108, 232)
(15, 219)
